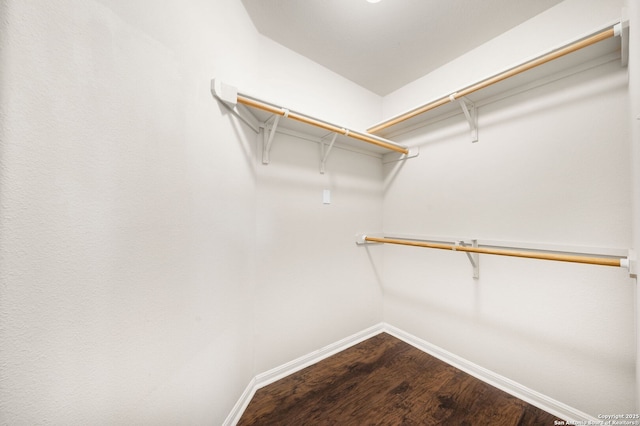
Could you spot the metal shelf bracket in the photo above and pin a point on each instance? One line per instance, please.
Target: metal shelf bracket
(392, 157)
(471, 113)
(267, 135)
(474, 258)
(325, 150)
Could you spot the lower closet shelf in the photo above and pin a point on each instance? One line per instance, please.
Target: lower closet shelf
(473, 249)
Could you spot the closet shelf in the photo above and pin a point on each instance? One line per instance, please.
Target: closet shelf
(596, 48)
(260, 114)
(474, 248)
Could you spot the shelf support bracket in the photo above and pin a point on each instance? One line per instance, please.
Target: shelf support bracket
(324, 150)
(474, 258)
(269, 133)
(392, 157)
(243, 113)
(471, 114)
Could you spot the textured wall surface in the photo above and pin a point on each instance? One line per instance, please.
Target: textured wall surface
(129, 212)
(123, 263)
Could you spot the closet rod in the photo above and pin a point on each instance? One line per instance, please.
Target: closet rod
(588, 41)
(503, 252)
(327, 126)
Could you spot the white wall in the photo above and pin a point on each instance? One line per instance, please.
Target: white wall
(634, 116)
(130, 200)
(316, 286)
(552, 166)
(123, 259)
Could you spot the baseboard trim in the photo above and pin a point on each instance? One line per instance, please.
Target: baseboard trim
(242, 404)
(509, 386)
(268, 377)
(530, 396)
(277, 373)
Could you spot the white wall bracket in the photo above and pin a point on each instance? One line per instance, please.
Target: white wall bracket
(474, 258)
(325, 150)
(243, 113)
(392, 157)
(471, 113)
(268, 134)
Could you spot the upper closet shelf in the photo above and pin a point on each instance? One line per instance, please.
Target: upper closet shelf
(602, 46)
(262, 114)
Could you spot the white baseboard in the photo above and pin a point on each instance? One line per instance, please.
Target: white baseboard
(530, 396)
(277, 373)
(268, 377)
(241, 405)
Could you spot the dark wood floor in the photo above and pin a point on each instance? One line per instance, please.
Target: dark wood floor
(385, 381)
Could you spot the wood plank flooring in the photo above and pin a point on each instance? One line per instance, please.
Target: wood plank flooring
(385, 381)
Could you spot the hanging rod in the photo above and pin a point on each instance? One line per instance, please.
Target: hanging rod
(592, 260)
(555, 54)
(230, 96)
(248, 101)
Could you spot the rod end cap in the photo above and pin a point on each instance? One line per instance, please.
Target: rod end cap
(224, 92)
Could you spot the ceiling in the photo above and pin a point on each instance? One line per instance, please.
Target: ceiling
(384, 46)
